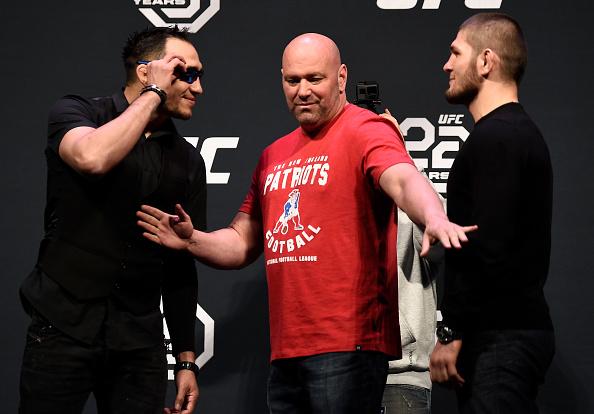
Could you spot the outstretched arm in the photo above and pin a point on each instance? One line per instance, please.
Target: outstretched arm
(232, 247)
(415, 196)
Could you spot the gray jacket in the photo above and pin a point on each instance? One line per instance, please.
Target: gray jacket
(417, 303)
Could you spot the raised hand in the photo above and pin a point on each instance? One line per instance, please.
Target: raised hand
(173, 231)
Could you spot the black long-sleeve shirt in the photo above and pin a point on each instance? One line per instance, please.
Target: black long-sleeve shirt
(501, 180)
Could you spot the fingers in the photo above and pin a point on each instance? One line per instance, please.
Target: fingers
(181, 212)
(426, 245)
(152, 237)
(155, 212)
(454, 236)
(161, 72)
(452, 375)
(179, 399)
(387, 111)
(173, 220)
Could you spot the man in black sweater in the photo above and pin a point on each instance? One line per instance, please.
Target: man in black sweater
(95, 292)
(496, 339)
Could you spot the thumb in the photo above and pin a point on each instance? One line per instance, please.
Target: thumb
(181, 212)
(425, 245)
(179, 399)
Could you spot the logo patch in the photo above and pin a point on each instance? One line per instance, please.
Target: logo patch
(186, 14)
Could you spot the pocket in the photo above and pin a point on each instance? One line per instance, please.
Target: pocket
(406, 335)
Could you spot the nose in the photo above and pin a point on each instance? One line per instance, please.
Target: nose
(447, 67)
(304, 89)
(196, 87)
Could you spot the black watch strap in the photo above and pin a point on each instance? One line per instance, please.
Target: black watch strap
(154, 88)
(186, 365)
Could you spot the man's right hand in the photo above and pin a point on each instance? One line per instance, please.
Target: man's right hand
(161, 72)
(172, 231)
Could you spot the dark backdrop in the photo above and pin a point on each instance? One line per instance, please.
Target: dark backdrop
(53, 48)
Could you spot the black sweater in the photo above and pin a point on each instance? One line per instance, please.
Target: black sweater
(501, 180)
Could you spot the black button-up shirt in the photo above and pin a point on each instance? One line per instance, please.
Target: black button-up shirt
(97, 277)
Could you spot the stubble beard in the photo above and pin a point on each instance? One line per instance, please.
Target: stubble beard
(467, 89)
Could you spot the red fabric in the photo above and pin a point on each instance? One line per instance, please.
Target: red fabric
(331, 268)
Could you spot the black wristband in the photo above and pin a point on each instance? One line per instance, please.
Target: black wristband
(154, 88)
(186, 365)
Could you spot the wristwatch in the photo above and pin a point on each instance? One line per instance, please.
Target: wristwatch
(186, 365)
(445, 334)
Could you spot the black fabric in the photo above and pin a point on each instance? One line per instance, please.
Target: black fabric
(96, 275)
(502, 181)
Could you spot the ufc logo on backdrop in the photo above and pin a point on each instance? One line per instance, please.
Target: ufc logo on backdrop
(434, 4)
(186, 14)
(209, 149)
(434, 148)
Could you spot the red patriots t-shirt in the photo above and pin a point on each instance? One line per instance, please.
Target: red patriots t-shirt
(330, 237)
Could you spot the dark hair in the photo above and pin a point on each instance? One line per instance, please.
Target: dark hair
(148, 44)
(502, 34)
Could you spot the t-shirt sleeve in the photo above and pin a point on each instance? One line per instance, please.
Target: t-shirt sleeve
(383, 147)
(67, 113)
(251, 203)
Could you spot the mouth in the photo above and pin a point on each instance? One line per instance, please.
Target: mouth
(190, 99)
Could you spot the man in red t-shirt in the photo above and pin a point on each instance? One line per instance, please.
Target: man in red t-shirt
(322, 200)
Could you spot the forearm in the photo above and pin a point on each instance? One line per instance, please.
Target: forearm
(412, 193)
(99, 150)
(186, 356)
(224, 248)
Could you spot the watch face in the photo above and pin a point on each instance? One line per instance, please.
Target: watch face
(444, 334)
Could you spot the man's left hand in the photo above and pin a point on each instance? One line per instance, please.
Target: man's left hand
(442, 365)
(448, 233)
(187, 393)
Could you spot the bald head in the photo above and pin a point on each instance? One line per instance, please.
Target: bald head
(312, 46)
(314, 80)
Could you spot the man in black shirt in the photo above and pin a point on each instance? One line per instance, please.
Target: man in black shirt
(95, 293)
(496, 339)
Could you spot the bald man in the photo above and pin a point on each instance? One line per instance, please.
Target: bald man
(322, 208)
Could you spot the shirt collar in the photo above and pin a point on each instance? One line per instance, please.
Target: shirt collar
(121, 104)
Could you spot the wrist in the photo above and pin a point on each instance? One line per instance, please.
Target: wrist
(154, 88)
(446, 334)
(186, 365)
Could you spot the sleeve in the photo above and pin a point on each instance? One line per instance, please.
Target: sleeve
(251, 202)
(180, 292)
(383, 147)
(67, 113)
(496, 193)
(484, 260)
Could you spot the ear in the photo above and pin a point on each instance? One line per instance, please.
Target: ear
(342, 78)
(486, 62)
(141, 74)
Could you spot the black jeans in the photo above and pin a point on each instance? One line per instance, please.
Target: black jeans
(330, 383)
(59, 373)
(503, 370)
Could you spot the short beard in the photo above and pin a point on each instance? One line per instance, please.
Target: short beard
(467, 89)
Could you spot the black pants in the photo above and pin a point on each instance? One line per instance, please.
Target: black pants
(503, 370)
(59, 373)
